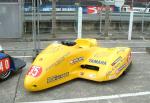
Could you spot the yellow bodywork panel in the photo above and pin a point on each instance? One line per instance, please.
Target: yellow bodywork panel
(62, 62)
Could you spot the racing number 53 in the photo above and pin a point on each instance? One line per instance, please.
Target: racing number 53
(35, 71)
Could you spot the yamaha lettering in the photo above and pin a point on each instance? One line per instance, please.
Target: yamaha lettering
(97, 61)
(57, 77)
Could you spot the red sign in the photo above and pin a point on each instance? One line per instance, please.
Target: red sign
(96, 9)
(4, 65)
(35, 71)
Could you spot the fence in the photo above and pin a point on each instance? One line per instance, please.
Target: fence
(38, 24)
(94, 18)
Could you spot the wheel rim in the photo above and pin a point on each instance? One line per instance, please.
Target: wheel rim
(5, 75)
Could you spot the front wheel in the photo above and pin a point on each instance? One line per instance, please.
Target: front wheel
(5, 75)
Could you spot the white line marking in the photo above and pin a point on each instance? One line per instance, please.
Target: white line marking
(142, 52)
(126, 42)
(23, 56)
(116, 96)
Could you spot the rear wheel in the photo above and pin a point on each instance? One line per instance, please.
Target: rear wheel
(5, 75)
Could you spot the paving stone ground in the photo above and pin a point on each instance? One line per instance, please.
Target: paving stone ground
(136, 80)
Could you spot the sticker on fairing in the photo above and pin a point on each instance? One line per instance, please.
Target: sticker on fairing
(121, 68)
(4, 65)
(76, 60)
(116, 61)
(35, 71)
(129, 58)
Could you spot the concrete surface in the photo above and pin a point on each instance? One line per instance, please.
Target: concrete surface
(135, 81)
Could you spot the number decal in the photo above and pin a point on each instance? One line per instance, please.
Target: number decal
(35, 71)
(7, 66)
(1, 66)
(4, 65)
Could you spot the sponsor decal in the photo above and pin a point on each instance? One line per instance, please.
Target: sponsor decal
(121, 50)
(41, 59)
(97, 61)
(81, 73)
(96, 9)
(59, 8)
(55, 48)
(35, 71)
(58, 61)
(76, 60)
(92, 75)
(108, 73)
(92, 10)
(117, 65)
(129, 57)
(4, 64)
(99, 55)
(116, 61)
(112, 77)
(57, 77)
(123, 66)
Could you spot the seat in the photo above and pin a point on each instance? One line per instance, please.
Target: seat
(86, 42)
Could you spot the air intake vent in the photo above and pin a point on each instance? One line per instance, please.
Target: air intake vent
(90, 67)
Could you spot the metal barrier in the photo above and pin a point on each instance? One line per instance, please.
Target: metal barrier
(93, 24)
(38, 25)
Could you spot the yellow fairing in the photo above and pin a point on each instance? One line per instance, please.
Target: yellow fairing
(61, 62)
